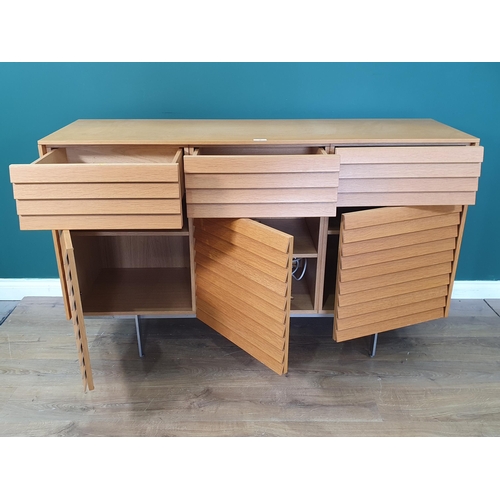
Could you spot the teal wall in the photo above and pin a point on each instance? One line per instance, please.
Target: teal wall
(38, 98)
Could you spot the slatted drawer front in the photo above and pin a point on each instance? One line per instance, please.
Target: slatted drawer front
(139, 188)
(394, 269)
(243, 286)
(424, 175)
(261, 185)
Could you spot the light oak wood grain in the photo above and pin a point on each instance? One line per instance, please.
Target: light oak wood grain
(381, 175)
(227, 299)
(225, 185)
(76, 308)
(367, 199)
(128, 221)
(257, 210)
(392, 269)
(91, 207)
(418, 155)
(101, 185)
(227, 132)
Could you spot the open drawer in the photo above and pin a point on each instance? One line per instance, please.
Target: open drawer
(101, 187)
(261, 182)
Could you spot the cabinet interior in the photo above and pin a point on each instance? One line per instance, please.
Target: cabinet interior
(123, 154)
(305, 232)
(133, 272)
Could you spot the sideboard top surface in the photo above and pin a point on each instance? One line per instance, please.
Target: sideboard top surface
(218, 132)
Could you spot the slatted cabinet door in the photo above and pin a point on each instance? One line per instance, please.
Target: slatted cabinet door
(75, 307)
(243, 285)
(396, 268)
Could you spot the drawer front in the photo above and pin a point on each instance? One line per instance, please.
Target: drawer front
(54, 194)
(261, 185)
(420, 175)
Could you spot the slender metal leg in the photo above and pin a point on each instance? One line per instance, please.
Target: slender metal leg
(139, 341)
(373, 346)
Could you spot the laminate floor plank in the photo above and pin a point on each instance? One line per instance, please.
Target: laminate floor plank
(494, 304)
(6, 307)
(440, 378)
(471, 307)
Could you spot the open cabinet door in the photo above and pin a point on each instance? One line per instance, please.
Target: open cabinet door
(396, 268)
(75, 307)
(243, 285)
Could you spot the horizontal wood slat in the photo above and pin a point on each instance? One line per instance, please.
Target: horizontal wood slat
(399, 240)
(103, 173)
(403, 227)
(405, 198)
(393, 278)
(239, 321)
(377, 216)
(240, 240)
(261, 233)
(255, 261)
(413, 170)
(392, 254)
(411, 154)
(375, 306)
(261, 163)
(233, 297)
(395, 266)
(222, 196)
(252, 303)
(410, 185)
(262, 210)
(217, 269)
(101, 221)
(243, 343)
(390, 313)
(412, 319)
(104, 207)
(254, 274)
(261, 181)
(95, 191)
(229, 282)
(391, 291)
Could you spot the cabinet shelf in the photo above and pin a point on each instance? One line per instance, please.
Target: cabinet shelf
(303, 242)
(139, 291)
(133, 272)
(302, 300)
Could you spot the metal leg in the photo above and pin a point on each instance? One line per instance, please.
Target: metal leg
(373, 345)
(139, 341)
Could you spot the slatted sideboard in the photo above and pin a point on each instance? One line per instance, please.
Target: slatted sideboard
(245, 223)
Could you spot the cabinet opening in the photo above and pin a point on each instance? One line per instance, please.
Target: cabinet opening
(131, 273)
(304, 277)
(305, 232)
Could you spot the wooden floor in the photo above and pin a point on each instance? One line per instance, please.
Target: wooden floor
(440, 378)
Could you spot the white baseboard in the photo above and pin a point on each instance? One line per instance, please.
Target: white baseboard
(476, 290)
(16, 289)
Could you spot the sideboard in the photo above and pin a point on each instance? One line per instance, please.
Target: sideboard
(245, 223)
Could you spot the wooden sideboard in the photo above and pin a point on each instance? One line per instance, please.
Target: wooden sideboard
(244, 223)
